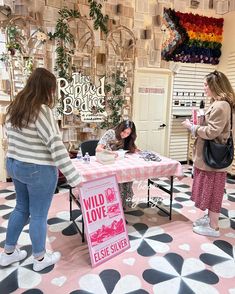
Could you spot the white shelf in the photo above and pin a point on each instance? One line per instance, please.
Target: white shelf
(180, 111)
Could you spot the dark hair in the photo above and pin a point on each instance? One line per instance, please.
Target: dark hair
(39, 89)
(220, 87)
(129, 142)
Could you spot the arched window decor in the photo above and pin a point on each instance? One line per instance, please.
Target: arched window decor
(75, 39)
(82, 49)
(120, 65)
(26, 50)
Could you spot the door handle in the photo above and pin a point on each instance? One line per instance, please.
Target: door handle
(162, 126)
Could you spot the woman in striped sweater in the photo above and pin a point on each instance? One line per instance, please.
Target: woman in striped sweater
(35, 153)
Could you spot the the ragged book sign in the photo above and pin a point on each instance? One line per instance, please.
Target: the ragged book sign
(104, 219)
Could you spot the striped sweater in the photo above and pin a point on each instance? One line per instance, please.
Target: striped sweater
(40, 143)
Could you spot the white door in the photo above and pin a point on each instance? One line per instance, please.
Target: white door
(151, 110)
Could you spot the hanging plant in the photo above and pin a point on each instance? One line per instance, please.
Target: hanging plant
(114, 101)
(17, 47)
(12, 45)
(64, 38)
(100, 21)
(17, 41)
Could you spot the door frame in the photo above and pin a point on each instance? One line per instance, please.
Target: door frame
(168, 73)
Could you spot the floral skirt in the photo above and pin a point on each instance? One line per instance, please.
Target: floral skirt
(126, 193)
(208, 189)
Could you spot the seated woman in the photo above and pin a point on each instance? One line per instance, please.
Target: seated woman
(123, 136)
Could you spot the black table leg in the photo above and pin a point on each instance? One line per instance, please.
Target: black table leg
(71, 199)
(170, 192)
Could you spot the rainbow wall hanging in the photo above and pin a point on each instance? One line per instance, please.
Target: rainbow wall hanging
(191, 38)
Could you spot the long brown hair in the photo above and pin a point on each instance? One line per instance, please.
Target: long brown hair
(220, 87)
(129, 142)
(38, 90)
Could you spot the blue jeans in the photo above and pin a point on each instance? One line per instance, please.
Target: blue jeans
(35, 186)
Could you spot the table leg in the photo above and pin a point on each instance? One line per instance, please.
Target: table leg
(70, 206)
(170, 192)
(71, 199)
(171, 196)
(149, 183)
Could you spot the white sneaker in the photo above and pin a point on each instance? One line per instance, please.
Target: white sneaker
(17, 255)
(206, 231)
(203, 221)
(49, 259)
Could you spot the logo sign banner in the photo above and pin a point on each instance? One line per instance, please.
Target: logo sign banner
(80, 95)
(104, 219)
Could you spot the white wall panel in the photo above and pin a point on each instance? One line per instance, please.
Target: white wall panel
(187, 93)
(231, 68)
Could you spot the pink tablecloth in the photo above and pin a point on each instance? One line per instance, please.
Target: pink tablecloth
(131, 168)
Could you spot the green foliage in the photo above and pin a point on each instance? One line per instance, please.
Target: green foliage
(64, 38)
(4, 58)
(67, 13)
(12, 45)
(114, 101)
(100, 21)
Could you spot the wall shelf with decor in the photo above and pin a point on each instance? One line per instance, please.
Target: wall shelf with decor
(183, 102)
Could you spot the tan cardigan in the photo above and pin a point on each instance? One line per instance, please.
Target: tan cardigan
(216, 127)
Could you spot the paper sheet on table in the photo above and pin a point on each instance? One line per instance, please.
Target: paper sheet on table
(105, 157)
